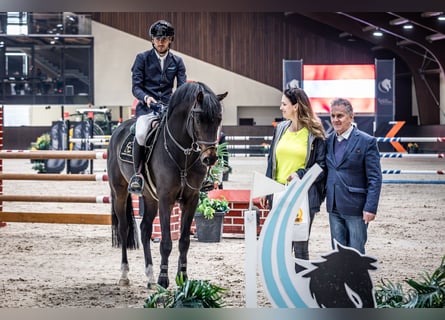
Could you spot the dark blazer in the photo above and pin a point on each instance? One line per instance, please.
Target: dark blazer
(149, 79)
(315, 154)
(355, 182)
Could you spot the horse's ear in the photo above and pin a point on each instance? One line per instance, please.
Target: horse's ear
(200, 97)
(222, 96)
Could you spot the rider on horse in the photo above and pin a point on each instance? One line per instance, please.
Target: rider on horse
(153, 75)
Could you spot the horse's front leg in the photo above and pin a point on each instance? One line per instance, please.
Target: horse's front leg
(150, 210)
(184, 241)
(166, 243)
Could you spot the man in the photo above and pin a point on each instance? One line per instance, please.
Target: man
(354, 178)
(153, 76)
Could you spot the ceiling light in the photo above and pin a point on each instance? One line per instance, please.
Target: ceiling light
(435, 37)
(377, 33)
(404, 42)
(441, 18)
(344, 35)
(408, 26)
(368, 28)
(376, 48)
(398, 21)
(430, 14)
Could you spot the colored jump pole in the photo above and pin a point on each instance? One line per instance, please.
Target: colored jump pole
(54, 177)
(40, 198)
(51, 154)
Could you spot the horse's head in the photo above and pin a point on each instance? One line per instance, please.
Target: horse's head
(204, 123)
(342, 280)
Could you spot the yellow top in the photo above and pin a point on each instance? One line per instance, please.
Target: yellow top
(291, 153)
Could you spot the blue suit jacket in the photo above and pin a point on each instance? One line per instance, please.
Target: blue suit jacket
(355, 182)
(149, 79)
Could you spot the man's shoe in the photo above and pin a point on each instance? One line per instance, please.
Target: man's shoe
(136, 184)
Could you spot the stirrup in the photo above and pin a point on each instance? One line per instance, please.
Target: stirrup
(136, 184)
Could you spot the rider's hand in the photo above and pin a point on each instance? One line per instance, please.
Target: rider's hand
(156, 107)
(149, 100)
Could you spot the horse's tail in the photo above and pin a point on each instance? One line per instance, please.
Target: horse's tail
(132, 237)
(115, 239)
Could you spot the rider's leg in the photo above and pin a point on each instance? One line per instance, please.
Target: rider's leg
(136, 184)
(137, 181)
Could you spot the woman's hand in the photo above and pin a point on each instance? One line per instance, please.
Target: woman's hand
(292, 176)
(264, 203)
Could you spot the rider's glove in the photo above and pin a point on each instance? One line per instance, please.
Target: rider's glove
(156, 107)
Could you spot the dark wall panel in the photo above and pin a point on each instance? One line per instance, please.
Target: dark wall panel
(251, 44)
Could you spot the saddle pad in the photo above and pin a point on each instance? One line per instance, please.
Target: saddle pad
(126, 152)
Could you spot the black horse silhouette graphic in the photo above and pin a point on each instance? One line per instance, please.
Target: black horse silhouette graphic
(342, 280)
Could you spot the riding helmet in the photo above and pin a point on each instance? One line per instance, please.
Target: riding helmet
(162, 28)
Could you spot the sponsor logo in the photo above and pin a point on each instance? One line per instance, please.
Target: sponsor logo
(384, 86)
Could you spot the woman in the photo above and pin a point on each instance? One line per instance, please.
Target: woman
(298, 143)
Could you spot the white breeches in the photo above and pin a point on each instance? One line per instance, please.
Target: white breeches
(143, 126)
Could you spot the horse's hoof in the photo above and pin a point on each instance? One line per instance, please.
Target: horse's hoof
(163, 283)
(124, 282)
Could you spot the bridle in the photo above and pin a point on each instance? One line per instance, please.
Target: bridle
(193, 148)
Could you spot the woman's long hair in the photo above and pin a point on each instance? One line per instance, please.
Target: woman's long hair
(305, 114)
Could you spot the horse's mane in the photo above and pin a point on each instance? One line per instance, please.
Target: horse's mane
(186, 95)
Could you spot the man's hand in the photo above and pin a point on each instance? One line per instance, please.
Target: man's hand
(156, 107)
(149, 100)
(368, 216)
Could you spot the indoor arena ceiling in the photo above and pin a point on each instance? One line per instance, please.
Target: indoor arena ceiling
(417, 37)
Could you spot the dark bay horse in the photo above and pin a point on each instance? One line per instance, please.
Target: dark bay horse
(181, 155)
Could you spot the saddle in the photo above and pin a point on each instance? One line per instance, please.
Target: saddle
(126, 151)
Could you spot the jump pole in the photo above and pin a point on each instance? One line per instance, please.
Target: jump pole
(39, 198)
(51, 154)
(398, 171)
(412, 155)
(54, 177)
(65, 218)
(410, 139)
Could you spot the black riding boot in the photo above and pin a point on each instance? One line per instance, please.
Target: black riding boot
(136, 184)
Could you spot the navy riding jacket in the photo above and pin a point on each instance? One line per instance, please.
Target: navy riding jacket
(149, 79)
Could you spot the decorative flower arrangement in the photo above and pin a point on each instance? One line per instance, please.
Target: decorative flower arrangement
(42, 143)
(207, 207)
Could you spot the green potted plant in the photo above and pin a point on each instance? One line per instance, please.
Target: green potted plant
(429, 292)
(42, 143)
(220, 171)
(187, 294)
(209, 218)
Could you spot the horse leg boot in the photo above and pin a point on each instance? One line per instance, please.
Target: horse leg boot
(136, 184)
